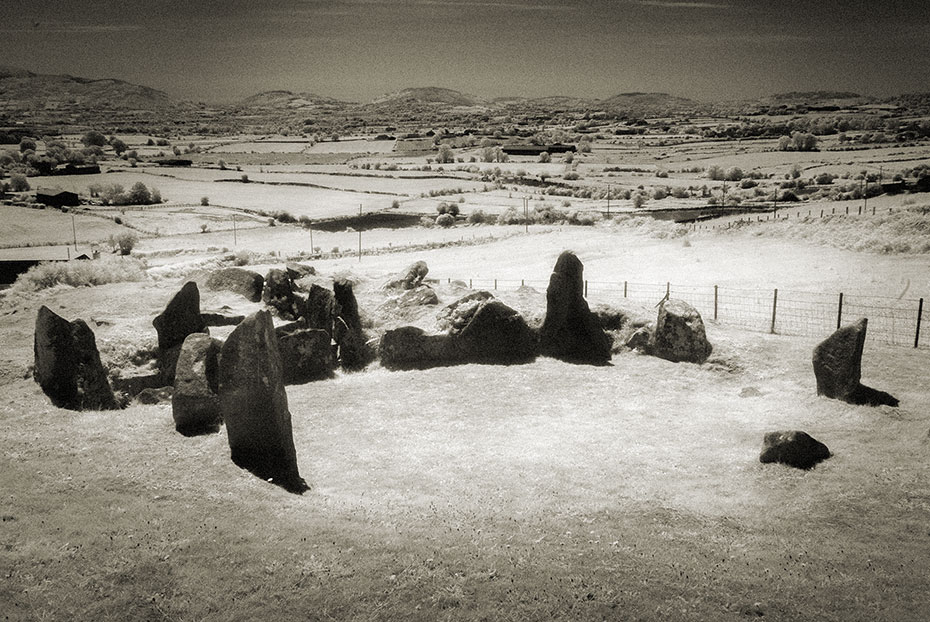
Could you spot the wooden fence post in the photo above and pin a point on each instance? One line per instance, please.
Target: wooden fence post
(774, 308)
(469, 284)
(920, 312)
(668, 289)
(586, 288)
(495, 284)
(715, 303)
(624, 289)
(839, 312)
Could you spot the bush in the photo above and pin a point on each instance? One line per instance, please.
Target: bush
(445, 220)
(80, 273)
(716, 173)
(544, 157)
(442, 208)
(94, 138)
(479, 217)
(118, 145)
(639, 200)
(571, 176)
(27, 144)
(205, 200)
(453, 209)
(18, 182)
(746, 184)
(125, 242)
(139, 194)
(659, 193)
(242, 258)
(734, 174)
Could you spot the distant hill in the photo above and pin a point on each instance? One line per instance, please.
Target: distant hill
(656, 102)
(288, 100)
(795, 96)
(24, 90)
(430, 95)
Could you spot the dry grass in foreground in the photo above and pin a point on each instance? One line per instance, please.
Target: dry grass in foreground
(544, 491)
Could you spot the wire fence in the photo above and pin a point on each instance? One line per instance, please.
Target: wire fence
(894, 321)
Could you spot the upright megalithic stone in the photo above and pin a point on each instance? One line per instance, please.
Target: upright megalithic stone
(254, 404)
(67, 364)
(180, 318)
(837, 362)
(354, 351)
(570, 330)
(195, 403)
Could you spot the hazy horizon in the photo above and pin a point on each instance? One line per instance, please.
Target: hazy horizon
(358, 50)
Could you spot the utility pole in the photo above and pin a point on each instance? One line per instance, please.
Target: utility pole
(235, 234)
(724, 193)
(73, 232)
(311, 239)
(608, 200)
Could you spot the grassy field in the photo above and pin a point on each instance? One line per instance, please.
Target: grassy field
(542, 491)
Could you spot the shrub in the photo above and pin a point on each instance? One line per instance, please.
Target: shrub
(205, 200)
(544, 157)
(734, 174)
(27, 144)
(445, 155)
(80, 273)
(747, 184)
(659, 193)
(244, 178)
(395, 204)
(305, 221)
(242, 258)
(680, 193)
(639, 200)
(445, 220)
(716, 173)
(118, 145)
(479, 217)
(139, 194)
(453, 209)
(18, 182)
(94, 138)
(662, 174)
(125, 242)
(571, 176)
(442, 208)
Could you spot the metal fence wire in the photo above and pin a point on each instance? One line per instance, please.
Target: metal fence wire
(894, 321)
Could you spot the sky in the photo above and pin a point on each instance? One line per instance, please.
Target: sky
(356, 50)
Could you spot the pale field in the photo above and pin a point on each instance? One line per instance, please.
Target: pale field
(23, 226)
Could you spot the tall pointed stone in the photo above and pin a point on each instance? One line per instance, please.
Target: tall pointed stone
(837, 364)
(571, 331)
(180, 318)
(254, 404)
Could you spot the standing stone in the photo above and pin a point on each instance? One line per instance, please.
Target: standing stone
(179, 319)
(195, 403)
(794, 448)
(495, 333)
(318, 309)
(254, 404)
(570, 330)
(306, 353)
(67, 364)
(279, 294)
(679, 333)
(238, 280)
(837, 364)
(354, 351)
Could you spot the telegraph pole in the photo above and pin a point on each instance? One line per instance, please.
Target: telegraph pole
(608, 200)
(235, 234)
(73, 232)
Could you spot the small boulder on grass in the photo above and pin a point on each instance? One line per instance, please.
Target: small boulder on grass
(794, 448)
(410, 278)
(679, 333)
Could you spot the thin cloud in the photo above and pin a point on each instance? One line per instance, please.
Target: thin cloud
(70, 28)
(673, 4)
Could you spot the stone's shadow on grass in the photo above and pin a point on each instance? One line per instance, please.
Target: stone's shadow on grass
(867, 396)
(261, 467)
(202, 430)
